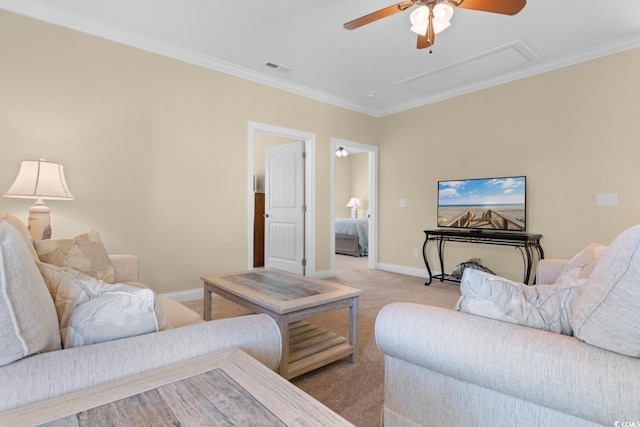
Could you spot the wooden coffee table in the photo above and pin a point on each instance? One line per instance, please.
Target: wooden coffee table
(225, 388)
(289, 298)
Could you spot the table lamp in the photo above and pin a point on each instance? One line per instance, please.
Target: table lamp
(354, 204)
(40, 179)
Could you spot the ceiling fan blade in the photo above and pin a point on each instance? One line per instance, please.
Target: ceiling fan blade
(382, 13)
(505, 7)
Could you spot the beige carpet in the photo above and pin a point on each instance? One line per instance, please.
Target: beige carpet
(356, 391)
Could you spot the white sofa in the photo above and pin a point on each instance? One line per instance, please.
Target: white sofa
(450, 368)
(47, 374)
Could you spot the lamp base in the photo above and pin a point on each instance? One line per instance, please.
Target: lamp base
(354, 212)
(39, 224)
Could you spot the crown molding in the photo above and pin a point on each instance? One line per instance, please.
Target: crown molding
(531, 70)
(52, 16)
(138, 41)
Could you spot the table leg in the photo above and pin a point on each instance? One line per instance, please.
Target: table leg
(441, 257)
(536, 247)
(283, 324)
(353, 329)
(527, 264)
(426, 261)
(207, 303)
(540, 251)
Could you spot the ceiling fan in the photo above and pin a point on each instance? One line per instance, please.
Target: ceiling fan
(434, 16)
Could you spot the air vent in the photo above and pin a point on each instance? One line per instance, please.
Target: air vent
(278, 67)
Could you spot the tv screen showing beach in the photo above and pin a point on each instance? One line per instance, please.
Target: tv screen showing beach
(486, 203)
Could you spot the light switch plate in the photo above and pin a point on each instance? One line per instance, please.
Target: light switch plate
(610, 199)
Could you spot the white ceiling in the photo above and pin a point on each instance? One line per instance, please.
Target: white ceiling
(375, 69)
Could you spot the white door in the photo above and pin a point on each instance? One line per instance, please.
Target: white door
(284, 207)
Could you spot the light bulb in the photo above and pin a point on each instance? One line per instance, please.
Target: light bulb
(439, 26)
(419, 19)
(442, 14)
(443, 11)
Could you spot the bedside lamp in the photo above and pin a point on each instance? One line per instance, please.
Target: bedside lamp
(40, 179)
(354, 204)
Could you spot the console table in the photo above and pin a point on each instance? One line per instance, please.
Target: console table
(528, 244)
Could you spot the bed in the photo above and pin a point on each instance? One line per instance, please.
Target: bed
(352, 236)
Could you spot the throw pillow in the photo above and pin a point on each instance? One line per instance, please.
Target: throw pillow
(581, 265)
(28, 321)
(606, 314)
(92, 311)
(24, 232)
(160, 314)
(85, 253)
(546, 307)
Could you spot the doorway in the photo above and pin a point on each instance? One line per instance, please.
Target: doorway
(372, 206)
(260, 136)
(284, 208)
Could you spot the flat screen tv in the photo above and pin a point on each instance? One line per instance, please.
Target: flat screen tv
(483, 203)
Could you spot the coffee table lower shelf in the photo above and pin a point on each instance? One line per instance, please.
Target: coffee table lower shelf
(289, 299)
(311, 347)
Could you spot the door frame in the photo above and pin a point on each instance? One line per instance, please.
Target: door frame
(356, 147)
(309, 140)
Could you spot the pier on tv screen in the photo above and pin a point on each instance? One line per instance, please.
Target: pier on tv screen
(483, 203)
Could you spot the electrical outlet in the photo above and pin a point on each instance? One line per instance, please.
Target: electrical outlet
(607, 199)
(415, 252)
(403, 203)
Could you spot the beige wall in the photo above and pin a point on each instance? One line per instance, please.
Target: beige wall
(573, 132)
(343, 186)
(360, 182)
(155, 150)
(352, 180)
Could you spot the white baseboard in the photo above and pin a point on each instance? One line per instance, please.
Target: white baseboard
(183, 296)
(401, 269)
(195, 294)
(324, 274)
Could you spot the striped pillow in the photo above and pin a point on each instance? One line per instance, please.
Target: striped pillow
(607, 312)
(28, 321)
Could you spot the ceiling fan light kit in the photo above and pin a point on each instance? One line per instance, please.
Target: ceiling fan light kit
(341, 152)
(440, 16)
(434, 16)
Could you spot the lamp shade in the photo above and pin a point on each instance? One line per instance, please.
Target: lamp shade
(354, 202)
(341, 152)
(442, 13)
(419, 19)
(40, 179)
